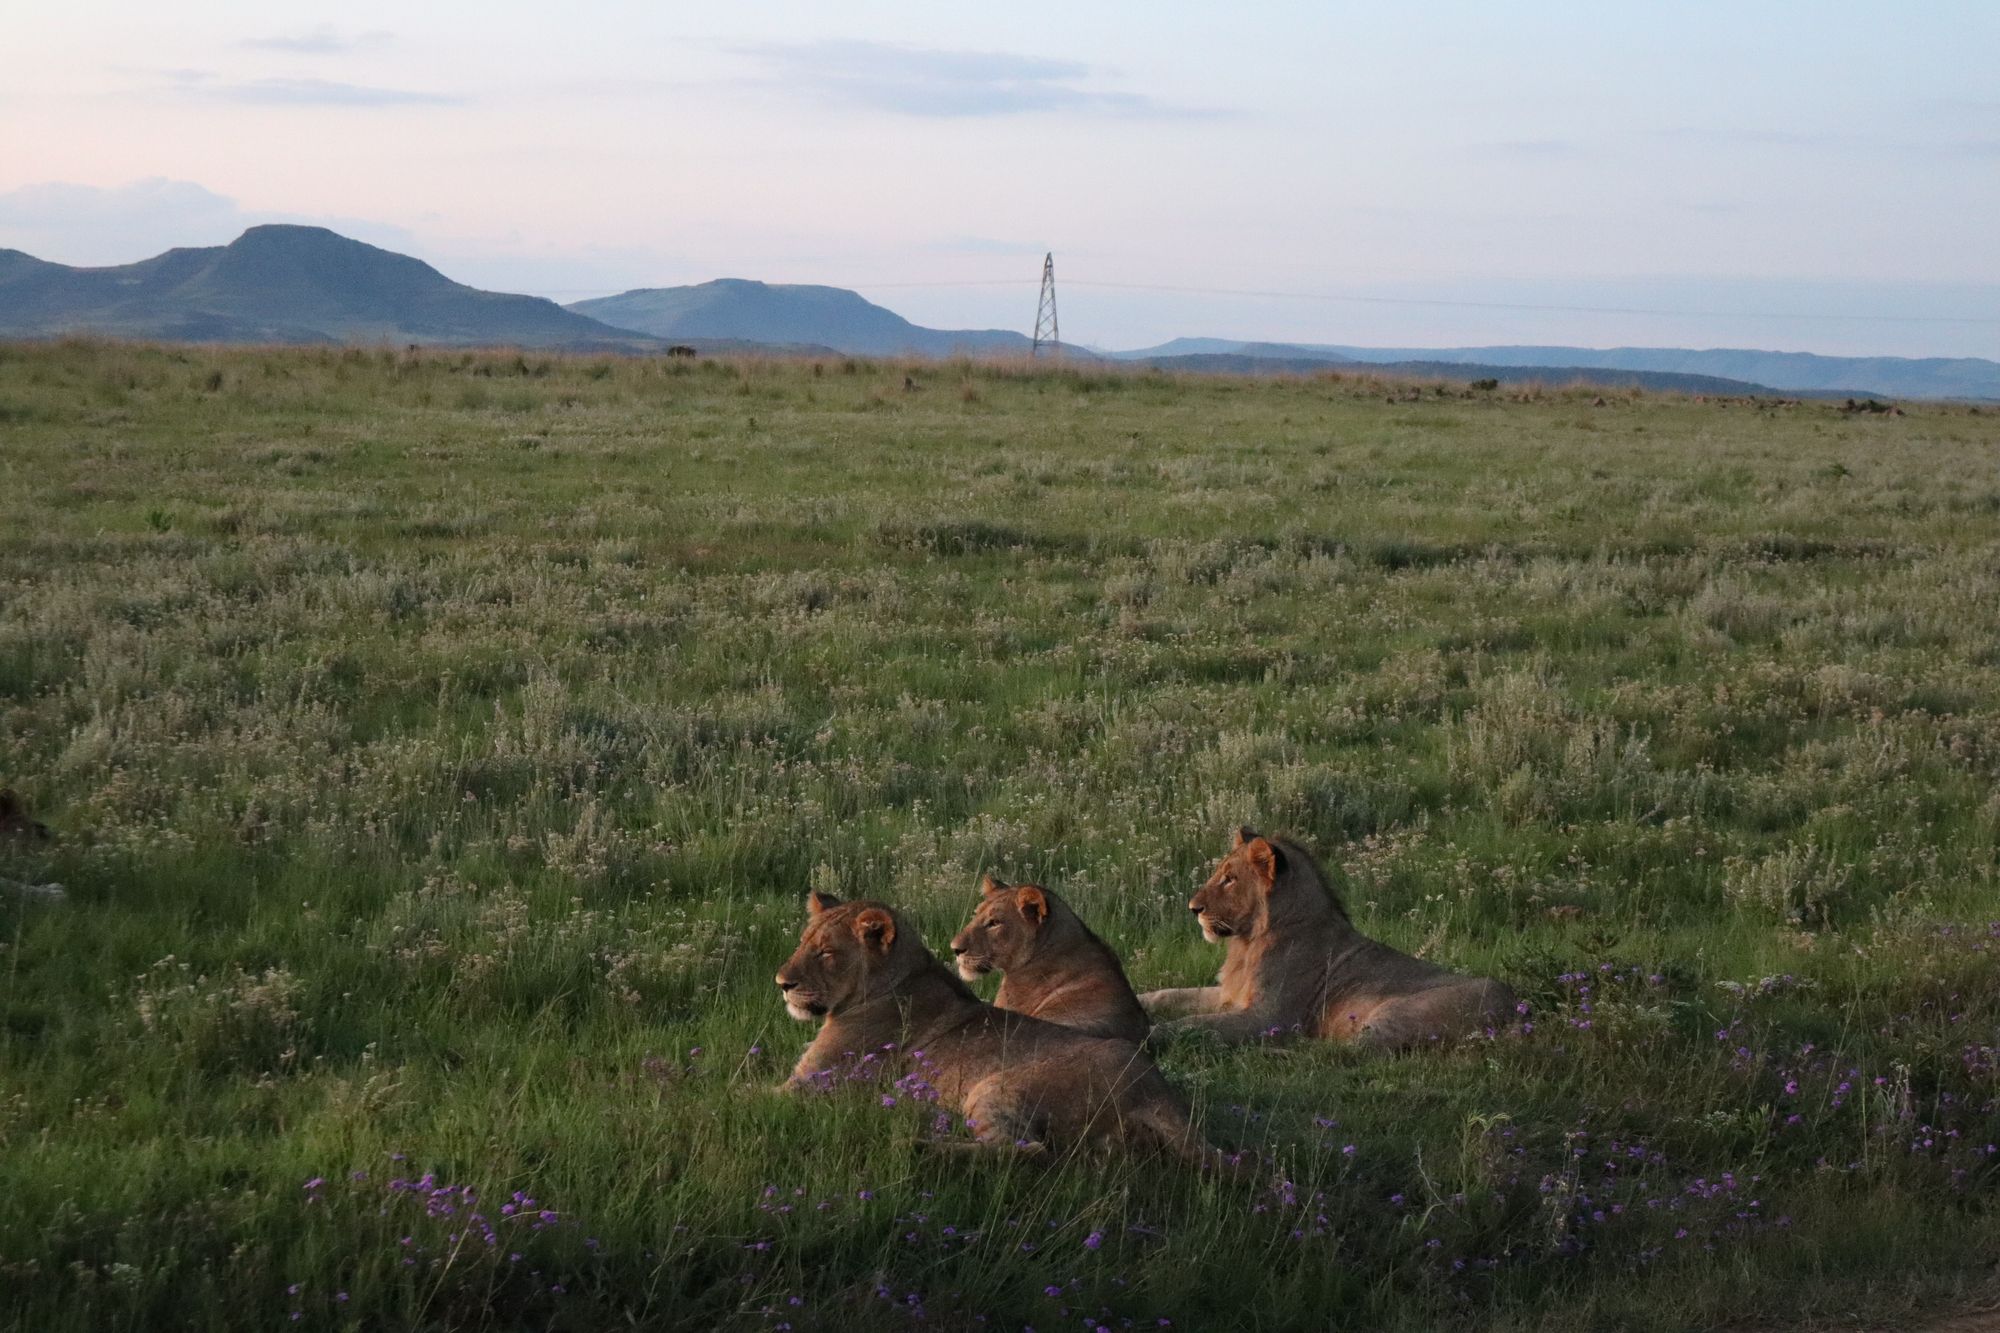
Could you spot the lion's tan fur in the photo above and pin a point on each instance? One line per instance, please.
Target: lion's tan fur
(1054, 968)
(1295, 963)
(862, 969)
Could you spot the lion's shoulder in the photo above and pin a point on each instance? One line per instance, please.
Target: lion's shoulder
(1078, 982)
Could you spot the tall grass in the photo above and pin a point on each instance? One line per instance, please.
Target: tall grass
(441, 746)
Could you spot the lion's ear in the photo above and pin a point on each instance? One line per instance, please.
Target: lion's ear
(817, 902)
(1243, 834)
(991, 886)
(876, 929)
(1268, 860)
(1034, 904)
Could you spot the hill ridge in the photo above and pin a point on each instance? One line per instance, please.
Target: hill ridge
(288, 283)
(301, 283)
(1790, 372)
(747, 308)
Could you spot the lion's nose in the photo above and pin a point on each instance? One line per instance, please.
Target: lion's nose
(1195, 907)
(957, 949)
(784, 984)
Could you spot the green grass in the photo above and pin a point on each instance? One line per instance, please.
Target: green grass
(440, 748)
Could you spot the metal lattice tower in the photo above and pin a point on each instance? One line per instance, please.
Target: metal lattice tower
(1047, 334)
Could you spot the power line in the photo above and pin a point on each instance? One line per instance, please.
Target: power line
(1177, 290)
(1522, 305)
(1432, 302)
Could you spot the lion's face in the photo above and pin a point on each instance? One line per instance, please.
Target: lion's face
(1004, 929)
(15, 824)
(843, 957)
(1235, 901)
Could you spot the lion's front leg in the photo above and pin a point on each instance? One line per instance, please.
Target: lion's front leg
(1236, 1026)
(818, 1064)
(1180, 1001)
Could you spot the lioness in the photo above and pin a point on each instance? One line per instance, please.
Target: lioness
(1295, 961)
(1018, 1081)
(1055, 968)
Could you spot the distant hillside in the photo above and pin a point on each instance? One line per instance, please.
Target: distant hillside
(1789, 372)
(1898, 377)
(309, 285)
(1240, 363)
(283, 284)
(787, 313)
(1230, 347)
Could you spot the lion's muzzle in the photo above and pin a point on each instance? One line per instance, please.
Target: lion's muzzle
(805, 1008)
(973, 968)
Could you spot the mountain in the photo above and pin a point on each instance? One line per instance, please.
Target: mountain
(309, 285)
(788, 313)
(283, 284)
(1789, 372)
(1244, 363)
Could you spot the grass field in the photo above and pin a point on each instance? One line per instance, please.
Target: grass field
(440, 748)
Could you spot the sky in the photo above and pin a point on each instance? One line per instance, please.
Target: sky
(1816, 176)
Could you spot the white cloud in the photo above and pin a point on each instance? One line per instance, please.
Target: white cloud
(323, 40)
(207, 86)
(919, 81)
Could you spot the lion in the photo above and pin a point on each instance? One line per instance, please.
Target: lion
(15, 823)
(880, 996)
(18, 827)
(1054, 968)
(1296, 963)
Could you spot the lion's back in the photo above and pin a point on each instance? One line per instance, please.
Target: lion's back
(1401, 1000)
(1085, 989)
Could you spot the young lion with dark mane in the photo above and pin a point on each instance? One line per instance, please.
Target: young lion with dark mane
(1019, 1082)
(1296, 963)
(1055, 968)
(16, 825)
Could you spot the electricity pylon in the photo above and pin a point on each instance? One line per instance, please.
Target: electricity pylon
(1047, 334)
